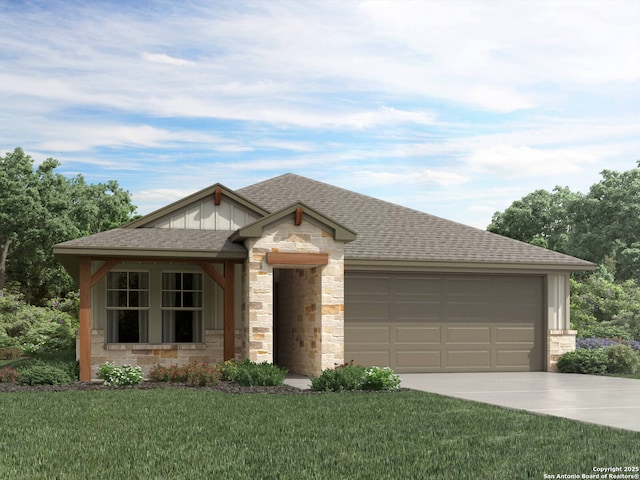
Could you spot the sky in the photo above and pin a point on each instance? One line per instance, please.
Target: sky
(455, 108)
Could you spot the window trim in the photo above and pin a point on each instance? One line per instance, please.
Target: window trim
(143, 332)
(198, 323)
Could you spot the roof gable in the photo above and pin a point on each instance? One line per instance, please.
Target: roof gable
(213, 208)
(253, 230)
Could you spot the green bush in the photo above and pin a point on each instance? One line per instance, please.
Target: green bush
(37, 329)
(347, 377)
(119, 376)
(604, 330)
(197, 374)
(5, 340)
(251, 374)
(42, 374)
(584, 360)
(229, 369)
(380, 378)
(65, 361)
(622, 359)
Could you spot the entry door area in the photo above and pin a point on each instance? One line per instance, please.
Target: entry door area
(418, 322)
(297, 300)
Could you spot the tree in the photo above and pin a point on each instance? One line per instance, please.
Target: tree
(541, 218)
(607, 223)
(41, 208)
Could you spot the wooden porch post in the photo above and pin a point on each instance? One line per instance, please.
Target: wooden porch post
(85, 319)
(229, 311)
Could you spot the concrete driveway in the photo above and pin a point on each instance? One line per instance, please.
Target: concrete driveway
(610, 401)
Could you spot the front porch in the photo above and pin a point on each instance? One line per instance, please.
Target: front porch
(209, 344)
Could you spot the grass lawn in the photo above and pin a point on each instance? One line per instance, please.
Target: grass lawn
(192, 434)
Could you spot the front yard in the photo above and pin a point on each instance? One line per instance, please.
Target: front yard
(178, 433)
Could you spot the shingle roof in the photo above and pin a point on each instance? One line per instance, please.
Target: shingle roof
(387, 231)
(158, 240)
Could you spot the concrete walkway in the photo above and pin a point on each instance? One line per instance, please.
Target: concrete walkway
(609, 401)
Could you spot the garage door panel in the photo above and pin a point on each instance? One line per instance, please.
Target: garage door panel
(371, 285)
(467, 286)
(518, 288)
(371, 310)
(516, 313)
(447, 322)
(468, 359)
(407, 310)
(515, 334)
(418, 334)
(468, 312)
(368, 334)
(520, 359)
(378, 358)
(414, 285)
(409, 359)
(470, 335)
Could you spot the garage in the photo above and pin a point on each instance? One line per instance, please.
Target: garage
(424, 322)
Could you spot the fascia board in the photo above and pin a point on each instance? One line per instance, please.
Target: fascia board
(493, 267)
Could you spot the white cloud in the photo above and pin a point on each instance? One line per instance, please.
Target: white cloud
(164, 195)
(524, 161)
(411, 176)
(165, 59)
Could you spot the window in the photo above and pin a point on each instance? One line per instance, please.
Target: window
(127, 307)
(181, 307)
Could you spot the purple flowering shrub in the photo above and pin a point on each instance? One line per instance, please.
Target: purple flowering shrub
(595, 342)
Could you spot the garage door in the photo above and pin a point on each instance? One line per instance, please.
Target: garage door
(444, 323)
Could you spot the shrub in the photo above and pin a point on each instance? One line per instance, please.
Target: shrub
(200, 374)
(632, 343)
(251, 374)
(622, 359)
(42, 374)
(5, 340)
(604, 330)
(584, 360)
(378, 378)
(9, 375)
(119, 376)
(593, 342)
(229, 369)
(37, 329)
(346, 377)
(9, 353)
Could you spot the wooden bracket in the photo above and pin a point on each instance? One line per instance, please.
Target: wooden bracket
(217, 196)
(299, 213)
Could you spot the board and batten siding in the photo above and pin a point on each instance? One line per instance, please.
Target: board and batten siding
(205, 215)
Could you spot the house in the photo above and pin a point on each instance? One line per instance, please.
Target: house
(309, 276)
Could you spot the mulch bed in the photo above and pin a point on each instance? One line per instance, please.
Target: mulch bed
(228, 387)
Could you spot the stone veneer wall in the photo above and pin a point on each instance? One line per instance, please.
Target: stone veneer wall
(299, 321)
(285, 237)
(558, 343)
(147, 356)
